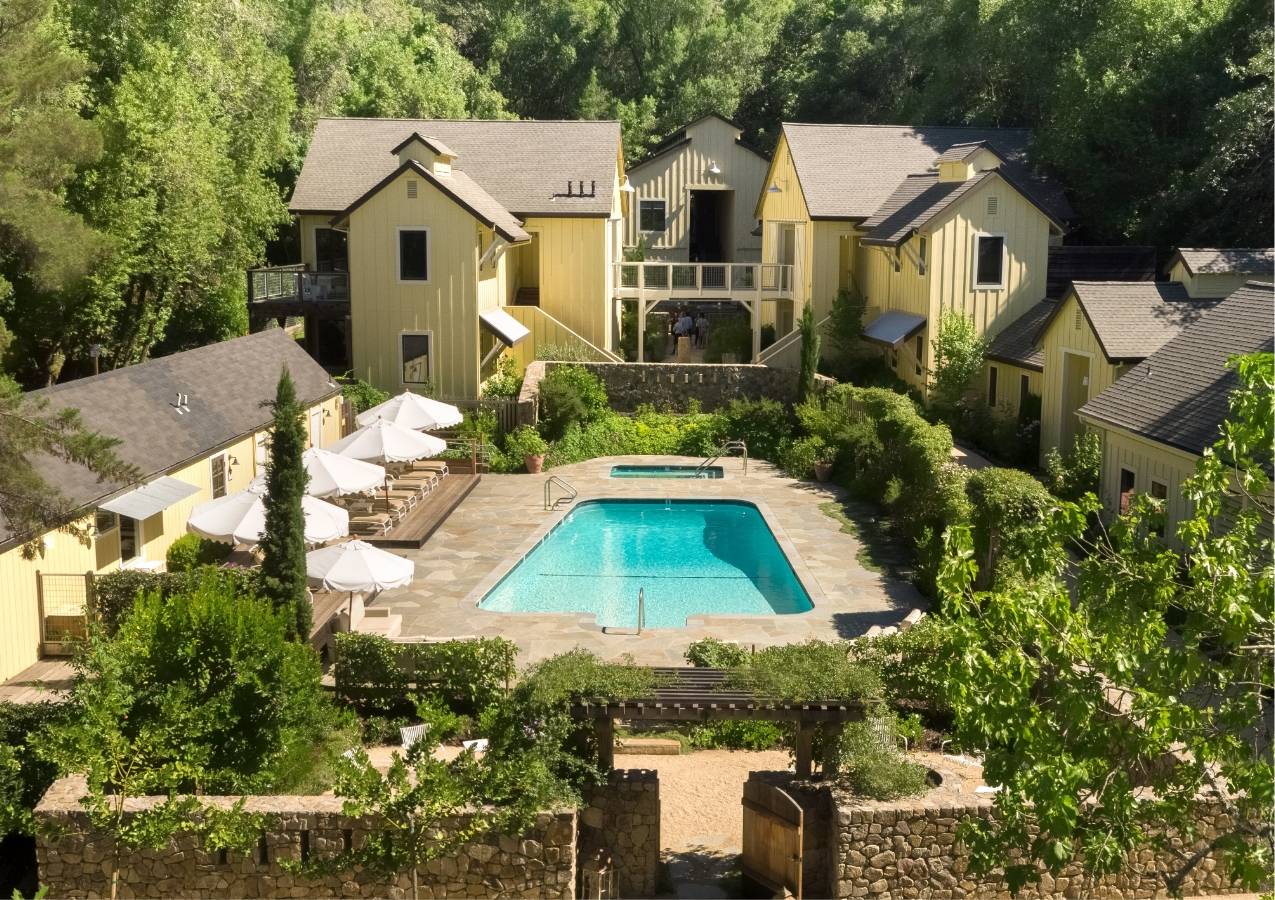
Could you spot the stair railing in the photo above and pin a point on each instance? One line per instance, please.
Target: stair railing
(570, 493)
(728, 447)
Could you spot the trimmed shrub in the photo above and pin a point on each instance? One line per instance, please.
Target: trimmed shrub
(737, 735)
(570, 395)
(714, 653)
(1004, 505)
(765, 425)
(1075, 474)
(645, 433)
(190, 551)
(798, 458)
(115, 592)
(870, 764)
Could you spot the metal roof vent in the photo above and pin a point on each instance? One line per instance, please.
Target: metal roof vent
(182, 403)
(411, 189)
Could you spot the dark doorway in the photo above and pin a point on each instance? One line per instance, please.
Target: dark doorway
(710, 237)
(330, 253)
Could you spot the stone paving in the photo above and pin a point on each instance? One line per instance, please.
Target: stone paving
(478, 541)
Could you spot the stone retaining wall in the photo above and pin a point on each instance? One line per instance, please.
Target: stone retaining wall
(671, 386)
(624, 817)
(909, 849)
(75, 860)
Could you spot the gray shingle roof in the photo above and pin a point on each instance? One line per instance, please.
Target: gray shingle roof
(1016, 342)
(227, 383)
(1133, 319)
(1179, 395)
(913, 203)
(1080, 262)
(958, 152)
(1259, 262)
(521, 164)
(848, 171)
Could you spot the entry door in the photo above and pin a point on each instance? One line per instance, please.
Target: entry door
(1075, 395)
(773, 831)
(316, 427)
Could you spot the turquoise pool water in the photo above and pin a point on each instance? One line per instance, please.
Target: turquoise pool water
(666, 472)
(691, 557)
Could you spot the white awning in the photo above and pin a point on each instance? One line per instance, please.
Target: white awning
(893, 328)
(152, 498)
(504, 326)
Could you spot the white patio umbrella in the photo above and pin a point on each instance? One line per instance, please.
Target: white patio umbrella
(385, 441)
(332, 474)
(240, 518)
(357, 566)
(413, 411)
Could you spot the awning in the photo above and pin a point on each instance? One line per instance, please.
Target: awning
(504, 326)
(893, 328)
(152, 498)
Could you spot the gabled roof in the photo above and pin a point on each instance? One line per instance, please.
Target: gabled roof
(468, 194)
(1258, 262)
(922, 198)
(1080, 262)
(961, 152)
(1133, 319)
(226, 384)
(849, 171)
(680, 138)
(1016, 343)
(1179, 395)
(523, 165)
(434, 145)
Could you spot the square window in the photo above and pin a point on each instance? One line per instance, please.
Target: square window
(416, 358)
(989, 261)
(652, 215)
(413, 254)
(104, 520)
(1159, 490)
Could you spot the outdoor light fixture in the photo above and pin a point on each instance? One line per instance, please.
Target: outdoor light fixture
(714, 169)
(627, 187)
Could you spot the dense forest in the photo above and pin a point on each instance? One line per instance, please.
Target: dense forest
(147, 149)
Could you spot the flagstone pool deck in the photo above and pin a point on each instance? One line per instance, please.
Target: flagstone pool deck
(483, 535)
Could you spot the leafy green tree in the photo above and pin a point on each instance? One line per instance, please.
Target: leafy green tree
(958, 358)
(283, 579)
(29, 504)
(1110, 711)
(809, 352)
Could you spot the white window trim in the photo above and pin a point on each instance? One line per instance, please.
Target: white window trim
(316, 414)
(974, 284)
(662, 200)
(1133, 490)
(398, 255)
(429, 374)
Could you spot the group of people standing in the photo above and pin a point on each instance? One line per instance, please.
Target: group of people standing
(696, 328)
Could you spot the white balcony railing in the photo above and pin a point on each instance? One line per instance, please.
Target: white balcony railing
(710, 281)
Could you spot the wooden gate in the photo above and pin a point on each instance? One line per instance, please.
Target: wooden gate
(65, 601)
(772, 840)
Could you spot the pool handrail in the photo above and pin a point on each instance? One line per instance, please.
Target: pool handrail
(571, 492)
(721, 451)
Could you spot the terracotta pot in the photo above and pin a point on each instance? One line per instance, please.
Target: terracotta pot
(823, 471)
(534, 463)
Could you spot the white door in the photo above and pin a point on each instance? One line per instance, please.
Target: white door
(316, 428)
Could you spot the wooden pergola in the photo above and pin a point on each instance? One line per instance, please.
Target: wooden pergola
(703, 695)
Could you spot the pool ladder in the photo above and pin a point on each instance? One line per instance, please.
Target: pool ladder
(641, 618)
(728, 447)
(571, 492)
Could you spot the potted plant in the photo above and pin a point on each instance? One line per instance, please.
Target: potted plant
(823, 465)
(527, 443)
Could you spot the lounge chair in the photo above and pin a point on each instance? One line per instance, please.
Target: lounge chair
(375, 523)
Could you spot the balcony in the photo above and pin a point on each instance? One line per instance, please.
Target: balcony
(294, 291)
(655, 281)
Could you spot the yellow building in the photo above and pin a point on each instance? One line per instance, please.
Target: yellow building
(915, 222)
(694, 196)
(192, 423)
(1014, 371)
(1095, 334)
(1212, 272)
(444, 240)
(1156, 421)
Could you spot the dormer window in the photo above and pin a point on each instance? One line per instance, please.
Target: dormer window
(989, 261)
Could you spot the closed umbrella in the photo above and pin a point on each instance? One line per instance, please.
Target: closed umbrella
(385, 441)
(240, 518)
(413, 411)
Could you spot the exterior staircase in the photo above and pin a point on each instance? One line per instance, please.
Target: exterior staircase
(527, 296)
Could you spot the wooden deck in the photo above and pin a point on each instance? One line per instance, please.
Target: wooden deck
(420, 523)
(49, 679)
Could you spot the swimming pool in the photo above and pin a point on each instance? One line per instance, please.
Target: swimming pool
(639, 471)
(690, 557)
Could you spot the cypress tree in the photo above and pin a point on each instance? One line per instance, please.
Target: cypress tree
(283, 580)
(809, 353)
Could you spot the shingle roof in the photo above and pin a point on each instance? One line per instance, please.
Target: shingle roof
(913, 203)
(1079, 262)
(521, 164)
(1016, 342)
(848, 171)
(1179, 395)
(1254, 261)
(226, 383)
(1133, 319)
(958, 152)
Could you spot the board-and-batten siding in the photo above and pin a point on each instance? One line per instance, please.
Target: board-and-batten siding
(574, 280)
(1207, 285)
(672, 175)
(66, 554)
(382, 307)
(1008, 386)
(1149, 461)
(1069, 332)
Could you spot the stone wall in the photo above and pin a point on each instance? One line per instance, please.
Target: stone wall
(623, 817)
(672, 385)
(909, 849)
(74, 861)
